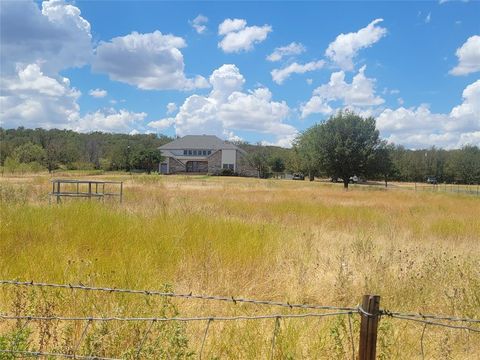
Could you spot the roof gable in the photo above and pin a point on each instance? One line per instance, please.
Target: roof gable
(203, 142)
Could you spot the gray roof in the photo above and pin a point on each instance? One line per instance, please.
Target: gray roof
(202, 142)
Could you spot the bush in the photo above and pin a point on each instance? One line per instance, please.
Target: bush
(227, 172)
(14, 167)
(81, 165)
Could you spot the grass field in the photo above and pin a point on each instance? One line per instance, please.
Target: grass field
(283, 240)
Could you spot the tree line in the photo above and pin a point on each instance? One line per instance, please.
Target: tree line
(25, 150)
(346, 145)
(349, 145)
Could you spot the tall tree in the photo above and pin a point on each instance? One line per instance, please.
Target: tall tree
(305, 147)
(147, 159)
(345, 144)
(259, 160)
(381, 163)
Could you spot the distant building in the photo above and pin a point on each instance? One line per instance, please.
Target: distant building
(203, 154)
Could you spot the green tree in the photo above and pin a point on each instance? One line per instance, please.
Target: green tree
(381, 163)
(464, 164)
(345, 145)
(277, 164)
(28, 153)
(259, 160)
(147, 159)
(306, 152)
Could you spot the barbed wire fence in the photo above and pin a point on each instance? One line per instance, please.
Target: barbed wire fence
(369, 312)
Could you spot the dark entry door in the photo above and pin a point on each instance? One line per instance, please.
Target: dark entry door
(197, 166)
(163, 168)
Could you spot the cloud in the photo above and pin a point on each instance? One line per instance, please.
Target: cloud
(345, 47)
(468, 57)
(33, 99)
(237, 36)
(109, 120)
(419, 127)
(428, 18)
(288, 50)
(230, 25)
(199, 24)
(360, 93)
(280, 75)
(98, 93)
(228, 109)
(162, 124)
(55, 36)
(151, 61)
(171, 107)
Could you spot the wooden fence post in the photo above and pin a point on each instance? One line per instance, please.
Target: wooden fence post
(368, 327)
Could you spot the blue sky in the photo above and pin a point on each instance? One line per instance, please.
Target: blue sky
(256, 71)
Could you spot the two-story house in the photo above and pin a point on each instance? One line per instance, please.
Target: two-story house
(203, 154)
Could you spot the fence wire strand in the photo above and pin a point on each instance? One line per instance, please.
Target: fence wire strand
(427, 316)
(437, 323)
(452, 322)
(180, 319)
(231, 299)
(25, 353)
(204, 338)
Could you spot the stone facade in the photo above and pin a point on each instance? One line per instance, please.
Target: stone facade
(175, 166)
(197, 166)
(243, 167)
(215, 163)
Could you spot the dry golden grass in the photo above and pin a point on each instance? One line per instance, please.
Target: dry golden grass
(265, 239)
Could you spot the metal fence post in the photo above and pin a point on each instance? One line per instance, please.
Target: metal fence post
(368, 327)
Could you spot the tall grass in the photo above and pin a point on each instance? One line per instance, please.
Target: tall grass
(271, 239)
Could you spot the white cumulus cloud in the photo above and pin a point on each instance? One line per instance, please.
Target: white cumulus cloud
(162, 124)
(468, 57)
(359, 93)
(151, 61)
(237, 36)
(57, 36)
(345, 47)
(109, 120)
(171, 107)
(280, 75)
(228, 109)
(199, 24)
(32, 99)
(418, 127)
(98, 93)
(291, 49)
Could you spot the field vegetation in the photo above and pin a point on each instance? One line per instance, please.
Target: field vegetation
(302, 242)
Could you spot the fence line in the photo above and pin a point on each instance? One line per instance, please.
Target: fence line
(368, 314)
(176, 295)
(436, 323)
(48, 354)
(163, 319)
(235, 300)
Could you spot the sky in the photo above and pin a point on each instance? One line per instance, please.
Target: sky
(251, 71)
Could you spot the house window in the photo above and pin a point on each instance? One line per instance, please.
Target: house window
(185, 152)
(204, 152)
(189, 152)
(228, 166)
(209, 152)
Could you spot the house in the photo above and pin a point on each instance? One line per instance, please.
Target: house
(203, 154)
